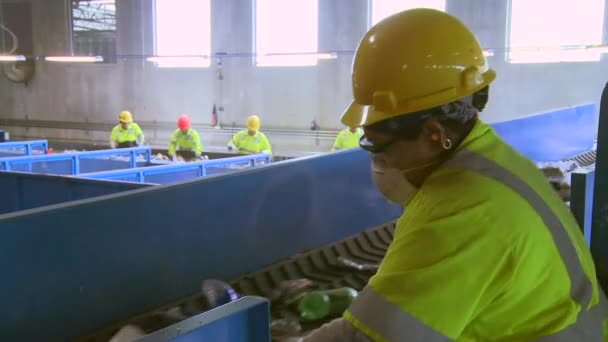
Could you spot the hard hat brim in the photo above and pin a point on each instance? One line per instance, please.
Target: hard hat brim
(357, 115)
(125, 121)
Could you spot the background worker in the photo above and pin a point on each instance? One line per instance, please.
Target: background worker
(185, 141)
(486, 250)
(347, 138)
(127, 133)
(251, 140)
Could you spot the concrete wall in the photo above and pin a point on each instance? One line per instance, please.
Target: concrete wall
(285, 98)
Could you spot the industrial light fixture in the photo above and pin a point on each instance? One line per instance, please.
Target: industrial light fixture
(12, 58)
(74, 59)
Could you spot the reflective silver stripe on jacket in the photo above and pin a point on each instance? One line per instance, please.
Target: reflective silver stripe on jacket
(388, 320)
(401, 326)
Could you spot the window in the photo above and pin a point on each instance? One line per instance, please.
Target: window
(183, 33)
(381, 9)
(561, 34)
(286, 32)
(94, 28)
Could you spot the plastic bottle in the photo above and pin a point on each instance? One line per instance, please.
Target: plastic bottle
(317, 305)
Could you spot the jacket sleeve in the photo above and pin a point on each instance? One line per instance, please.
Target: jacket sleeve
(198, 145)
(140, 135)
(232, 142)
(338, 330)
(172, 145)
(265, 148)
(435, 279)
(337, 143)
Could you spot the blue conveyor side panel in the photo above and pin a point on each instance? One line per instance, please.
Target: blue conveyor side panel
(554, 135)
(245, 320)
(22, 191)
(103, 260)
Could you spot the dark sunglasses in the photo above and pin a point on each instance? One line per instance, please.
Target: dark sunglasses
(367, 145)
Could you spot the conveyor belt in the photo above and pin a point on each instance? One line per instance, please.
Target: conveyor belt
(319, 265)
(585, 159)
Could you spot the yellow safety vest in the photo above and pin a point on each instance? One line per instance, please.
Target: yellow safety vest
(132, 133)
(190, 141)
(347, 139)
(250, 144)
(485, 251)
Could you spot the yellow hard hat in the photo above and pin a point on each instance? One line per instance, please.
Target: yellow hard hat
(253, 123)
(412, 61)
(125, 117)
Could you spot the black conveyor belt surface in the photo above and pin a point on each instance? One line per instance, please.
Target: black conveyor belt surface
(319, 265)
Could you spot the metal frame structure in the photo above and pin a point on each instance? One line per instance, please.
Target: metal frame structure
(141, 173)
(27, 145)
(6, 164)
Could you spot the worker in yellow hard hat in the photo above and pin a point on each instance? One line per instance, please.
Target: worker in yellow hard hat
(486, 250)
(185, 141)
(127, 133)
(347, 138)
(251, 140)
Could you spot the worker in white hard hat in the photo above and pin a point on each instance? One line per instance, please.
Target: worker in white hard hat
(127, 133)
(486, 250)
(251, 140)
(347, 138)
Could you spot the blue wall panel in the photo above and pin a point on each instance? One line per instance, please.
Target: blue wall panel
(102, 260)
(552, 136)
(22, 191)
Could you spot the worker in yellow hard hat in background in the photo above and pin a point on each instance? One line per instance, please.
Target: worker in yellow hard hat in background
(127, 133)
(486, 250)
(185, 141)
(251, 140)
(347, 138)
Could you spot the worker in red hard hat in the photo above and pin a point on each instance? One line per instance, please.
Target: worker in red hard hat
(185, 141)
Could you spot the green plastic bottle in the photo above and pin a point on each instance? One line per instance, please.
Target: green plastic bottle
(317, 305)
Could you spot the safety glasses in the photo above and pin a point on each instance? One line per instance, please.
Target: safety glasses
(367, 145)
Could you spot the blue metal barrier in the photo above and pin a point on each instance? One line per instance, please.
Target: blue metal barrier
(245, 320)
(26, 146)
(581, 199)
(21, 191)
(178, 171)
(554, 135)
(75, 163)
(102, 260)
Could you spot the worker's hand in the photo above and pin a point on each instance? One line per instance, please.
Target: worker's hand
(229, 148)
(173, 158)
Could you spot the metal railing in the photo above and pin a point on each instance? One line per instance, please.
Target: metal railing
(141, 173)
(8, 164)
(27, 146)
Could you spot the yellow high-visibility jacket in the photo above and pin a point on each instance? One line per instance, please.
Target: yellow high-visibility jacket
(347, 139)
(190, 141)
(485, 251)
(250, 144)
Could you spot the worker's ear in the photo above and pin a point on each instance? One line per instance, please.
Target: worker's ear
(434, 132)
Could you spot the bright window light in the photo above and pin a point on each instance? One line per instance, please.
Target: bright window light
(183, 33)
(286, 32)
(559, 35)
(384, 8)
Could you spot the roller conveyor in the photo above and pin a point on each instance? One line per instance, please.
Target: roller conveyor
(319, 265)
